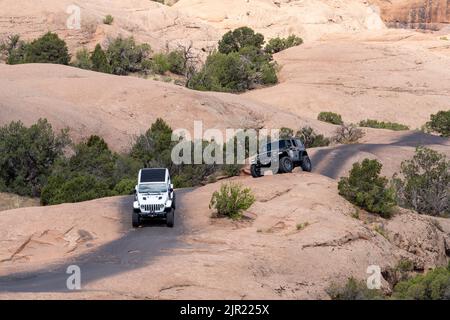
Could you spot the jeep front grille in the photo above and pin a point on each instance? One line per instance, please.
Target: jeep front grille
(152, 207)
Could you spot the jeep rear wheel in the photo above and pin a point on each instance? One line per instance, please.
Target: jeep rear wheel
(286, 165)
(136, 219)
(170, 218)
(255, 171)
(306, 164)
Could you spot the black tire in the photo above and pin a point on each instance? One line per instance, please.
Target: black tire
(255, 171)
(306, 164)
(136, 219)
(170, 218)
(286, 165)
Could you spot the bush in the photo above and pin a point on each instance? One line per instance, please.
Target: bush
(13, 49)
(278, 44)
(286, 133)
(239, 65)
(27, 156)
(125, 56)
(222, 72)
(330, 117)
(440, 123)
(425, 186)
(177, 62)
(354, 290)
(365, 188)
(232, 170)
(383, 125)
(109, 19)
(234, 40)
(99, 60)
(232, 200)
(99, 171)
(75, 189)
(310, 139)
(435, 285)
(160, 63)
(125, 187)
(47, 49)
(347, 134)
(83, 60)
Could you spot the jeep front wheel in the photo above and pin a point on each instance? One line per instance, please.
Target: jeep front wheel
(136, 219)
(286, 165)
(306, 164)
(170, 218)
(255, 171)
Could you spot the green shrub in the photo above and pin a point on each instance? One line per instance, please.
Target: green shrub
(330, 117)
(75, 189)
(160, 63)
(434, 285)
(83, 60)
(310, 139)
(177, 62)
(13, 49)
(424, 183)
(234, 40)
(347, 134)
(440, 123)
(383, 125)
(125, 56)
(286, 133)
(92, 165)
(278, 44)
(232, 200)
(47, 49)
(109, 19)
(232, 170)
(239, 65)
(125, 187)
(27, 156)
(365, 188)
(99, 60)
(353, 290)
(222, 72)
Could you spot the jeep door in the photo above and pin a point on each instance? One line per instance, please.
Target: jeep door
(296, 150)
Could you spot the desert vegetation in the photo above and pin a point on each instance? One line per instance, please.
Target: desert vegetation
(370, 123)
(432, 285)
(231, 200)
(424, 183)
(439, 123)
(46, 49)
(367, 189)
(330, 117)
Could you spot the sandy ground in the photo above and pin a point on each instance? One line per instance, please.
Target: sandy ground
(263, 256)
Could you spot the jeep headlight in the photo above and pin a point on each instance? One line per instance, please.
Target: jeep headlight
(168, 203)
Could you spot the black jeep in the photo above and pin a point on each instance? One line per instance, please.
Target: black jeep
(281, 157)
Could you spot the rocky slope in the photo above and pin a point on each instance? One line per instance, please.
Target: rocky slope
(263, 256)
(417, 14)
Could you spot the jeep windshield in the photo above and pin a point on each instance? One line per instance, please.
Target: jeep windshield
(153, 188)
(274, 146)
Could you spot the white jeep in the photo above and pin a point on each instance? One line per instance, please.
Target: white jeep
(154, 197)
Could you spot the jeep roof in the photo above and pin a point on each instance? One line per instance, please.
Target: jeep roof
(153, 175)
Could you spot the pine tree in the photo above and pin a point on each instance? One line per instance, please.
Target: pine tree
(99, 60)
